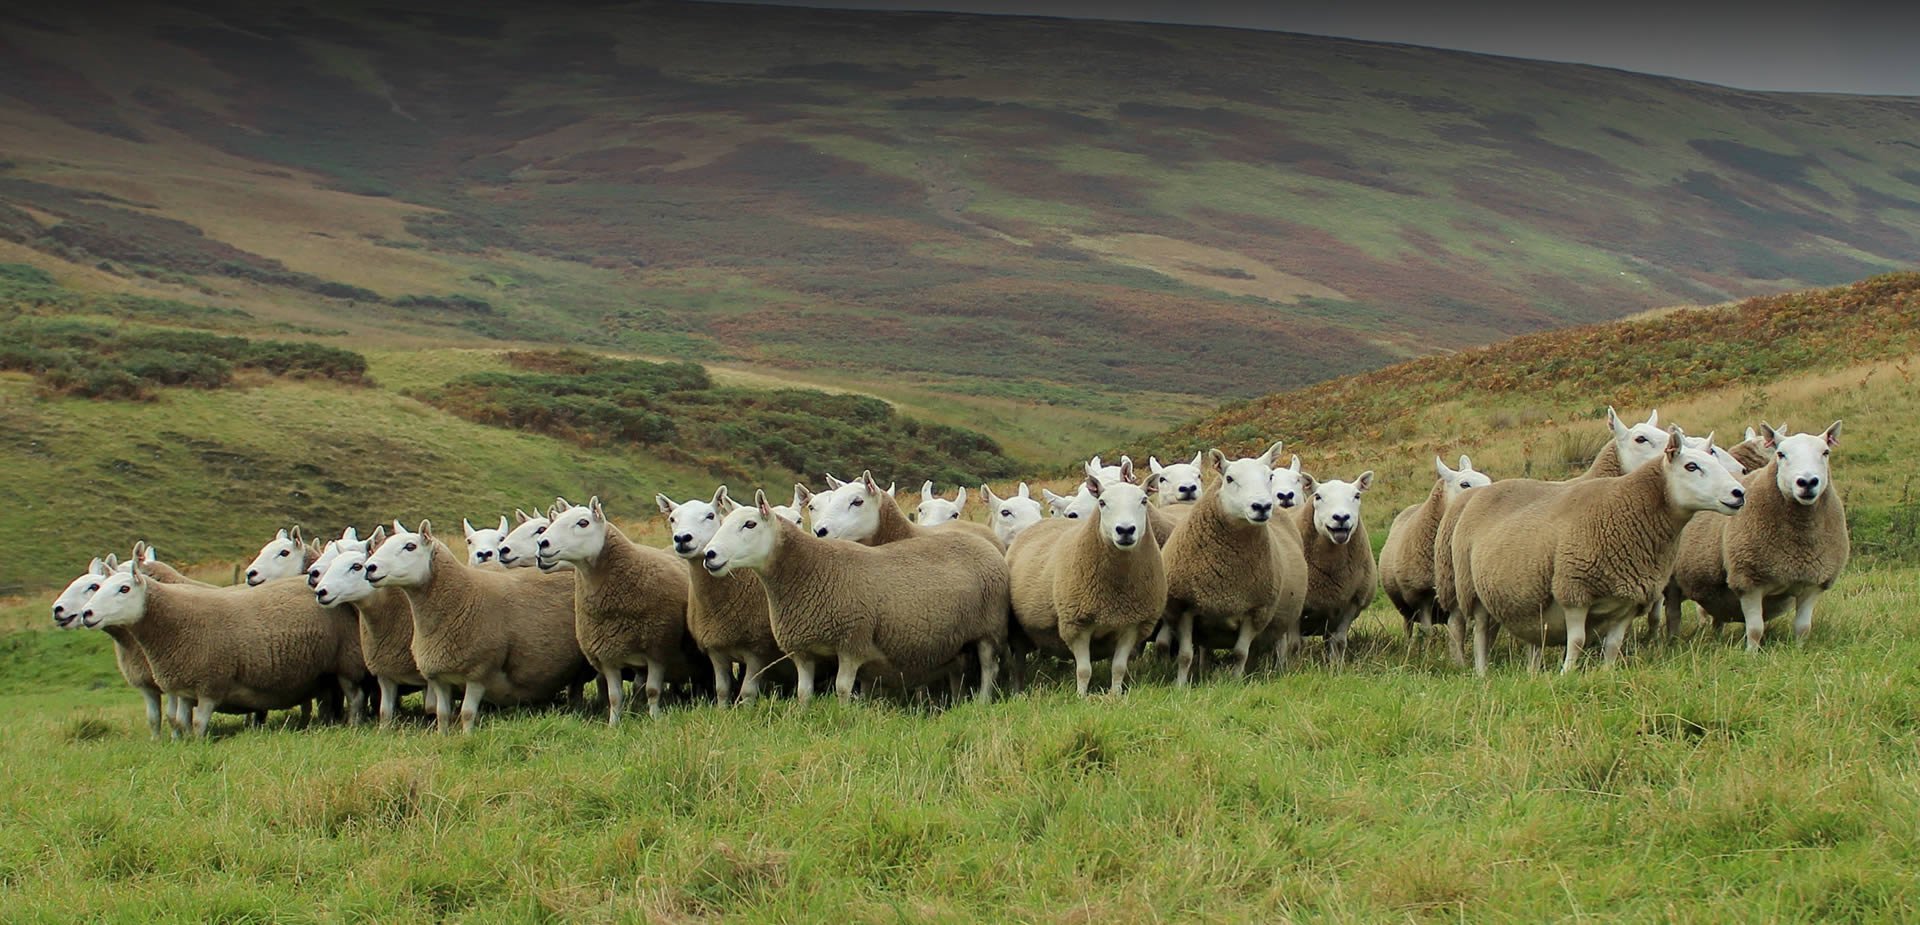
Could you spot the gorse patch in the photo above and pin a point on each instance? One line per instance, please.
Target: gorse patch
(94, 361)
(678, 413)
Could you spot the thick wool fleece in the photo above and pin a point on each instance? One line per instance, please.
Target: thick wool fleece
(1069, 582)
(630, 607)
(386, 636)
(1603, 544)
(729, 615)
(1751, 454)
(1774, 544)
(512, 630)
(1226, 571)
(1406, 559)
(267, 647)
(909, 607)
(1340, 576)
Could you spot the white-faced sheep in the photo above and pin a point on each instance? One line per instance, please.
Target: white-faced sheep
(520, 548)
(1406, 559)
(284, 556)
(935, 510)
(1230, 572)
(726, 616)
(1011, 515)
(483, 544)
(1630, 446)
(127, 654)
(385, 618)
(1175, 483)
(349, 539)
(1556, 562)
(862, 512)
(252, 648)
(1339, 557)
(1782, 550)
(905, 611)
(502, 636)
(1095, 581)
(630, 601)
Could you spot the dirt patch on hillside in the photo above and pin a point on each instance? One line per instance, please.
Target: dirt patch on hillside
(1206, 267)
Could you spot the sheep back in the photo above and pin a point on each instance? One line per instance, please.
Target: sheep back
(630, 605)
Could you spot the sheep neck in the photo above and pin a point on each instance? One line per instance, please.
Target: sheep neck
(1606, 464)
(1104, 561)
(795, 560)
(894, 525)
(163, 631)
(617, 558)
(1638, 503)
(447, 598)
(1210, 520)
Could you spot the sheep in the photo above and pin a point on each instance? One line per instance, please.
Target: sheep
(905, 610)
(127, 654)
(349, 539)
(1010, 516)
(1552, 562)
(791, 512)
(860, 511)
(1175, 483)
(1082, 504)
(630, 601)
(1630, 446)
(483, 545)
(935, 510)
(1783, 550)
(1339, 559)
(505, 636)
(284, 556)
(1406, 560)
(520, 547)
(727, 617)
(251, 647)
(1100, 579)
(1751, 452)
(385, 620)
(1229, 573)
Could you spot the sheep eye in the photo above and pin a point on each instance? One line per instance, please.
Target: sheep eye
(125, 588)
(356, 567)
(93, 587)
(859, 501)
(411, 547)
(1826, 452)
(709, 515)
(749, 525)
(1466, 485)
(582, 524)
(284, 553)
(1006, 512)
(1693, 467)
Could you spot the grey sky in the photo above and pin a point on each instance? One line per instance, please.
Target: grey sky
(1841, 46)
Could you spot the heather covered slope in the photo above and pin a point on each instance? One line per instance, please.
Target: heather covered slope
(1098, 208)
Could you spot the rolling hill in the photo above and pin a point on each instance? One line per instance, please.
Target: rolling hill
(1028, 210)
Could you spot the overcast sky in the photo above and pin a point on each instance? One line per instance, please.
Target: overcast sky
(1834, 46)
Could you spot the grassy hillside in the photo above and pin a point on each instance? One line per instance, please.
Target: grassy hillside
(1102, 208)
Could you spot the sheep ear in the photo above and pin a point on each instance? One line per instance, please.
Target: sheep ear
(294, 535)
(1832, 434)
(1769, 437)
(1153, 465)
(100, 566)
(426, 529)
(796, 496)
(986, 492)
(1092, 485)
(833, 482)
(1295, 465)
(801, 496)
(1613, 421)
(520, 516)
(139, 563)
(960, 496)
(1092, 467)
(1272, 453)
(379, 536)
(1751, 436)
(1307, 482)
(1654, 418)
(593, 507)
(503, 523)
(1365, 481)
(1024, 490)
(399, 527)
(926, 489)
(719, 495)
(467, 528)
(1126, 471)
(867, 482)
(1047, 495)
(1440, 468)
(1675, 440)
(760, 501)
(1218, 459)
(1466, 463)
(1152, 487)
(281, 535)
(1710, 435)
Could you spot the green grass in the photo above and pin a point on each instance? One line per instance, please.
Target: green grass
(1694, 783)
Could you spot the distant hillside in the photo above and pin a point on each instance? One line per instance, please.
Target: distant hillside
(1091, 208)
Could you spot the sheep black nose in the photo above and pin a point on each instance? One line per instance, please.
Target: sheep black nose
(1285, 496)
(1125, 532)
(821, 532)
(711, 555)
(1811, 481)
(58, 609)
(683, 538)
(1739, 494)
(506, 550)
(87, 614)
(483, 555)
(253, 573)
(1342, 518)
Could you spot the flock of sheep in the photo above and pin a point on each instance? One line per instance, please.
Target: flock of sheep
(1218, 554)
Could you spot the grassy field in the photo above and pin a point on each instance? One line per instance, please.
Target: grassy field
(1694, 783)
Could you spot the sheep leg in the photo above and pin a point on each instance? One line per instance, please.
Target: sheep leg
(182, 716)
(1184, 632)
(441, 697)
(989, 655)
(389, 700)
(1016, 661)
(849, 672)
(751, 669)
(1535, 655)
(616, 694)
(803, 666)
(1803, 614)
(1752, 605)
(1337, 641)
(657, 682)
(1674, 600)
(202, 714)
(1122, 651)
(723, 679)
(1576, 638)
(356, 699)
(1082, 647)
(1163, 638)
(152, 697)
(1243, 647)
(470, 706)
(1616, 639)
(1481, 637)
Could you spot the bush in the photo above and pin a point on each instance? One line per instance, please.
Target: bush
(82, 358)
